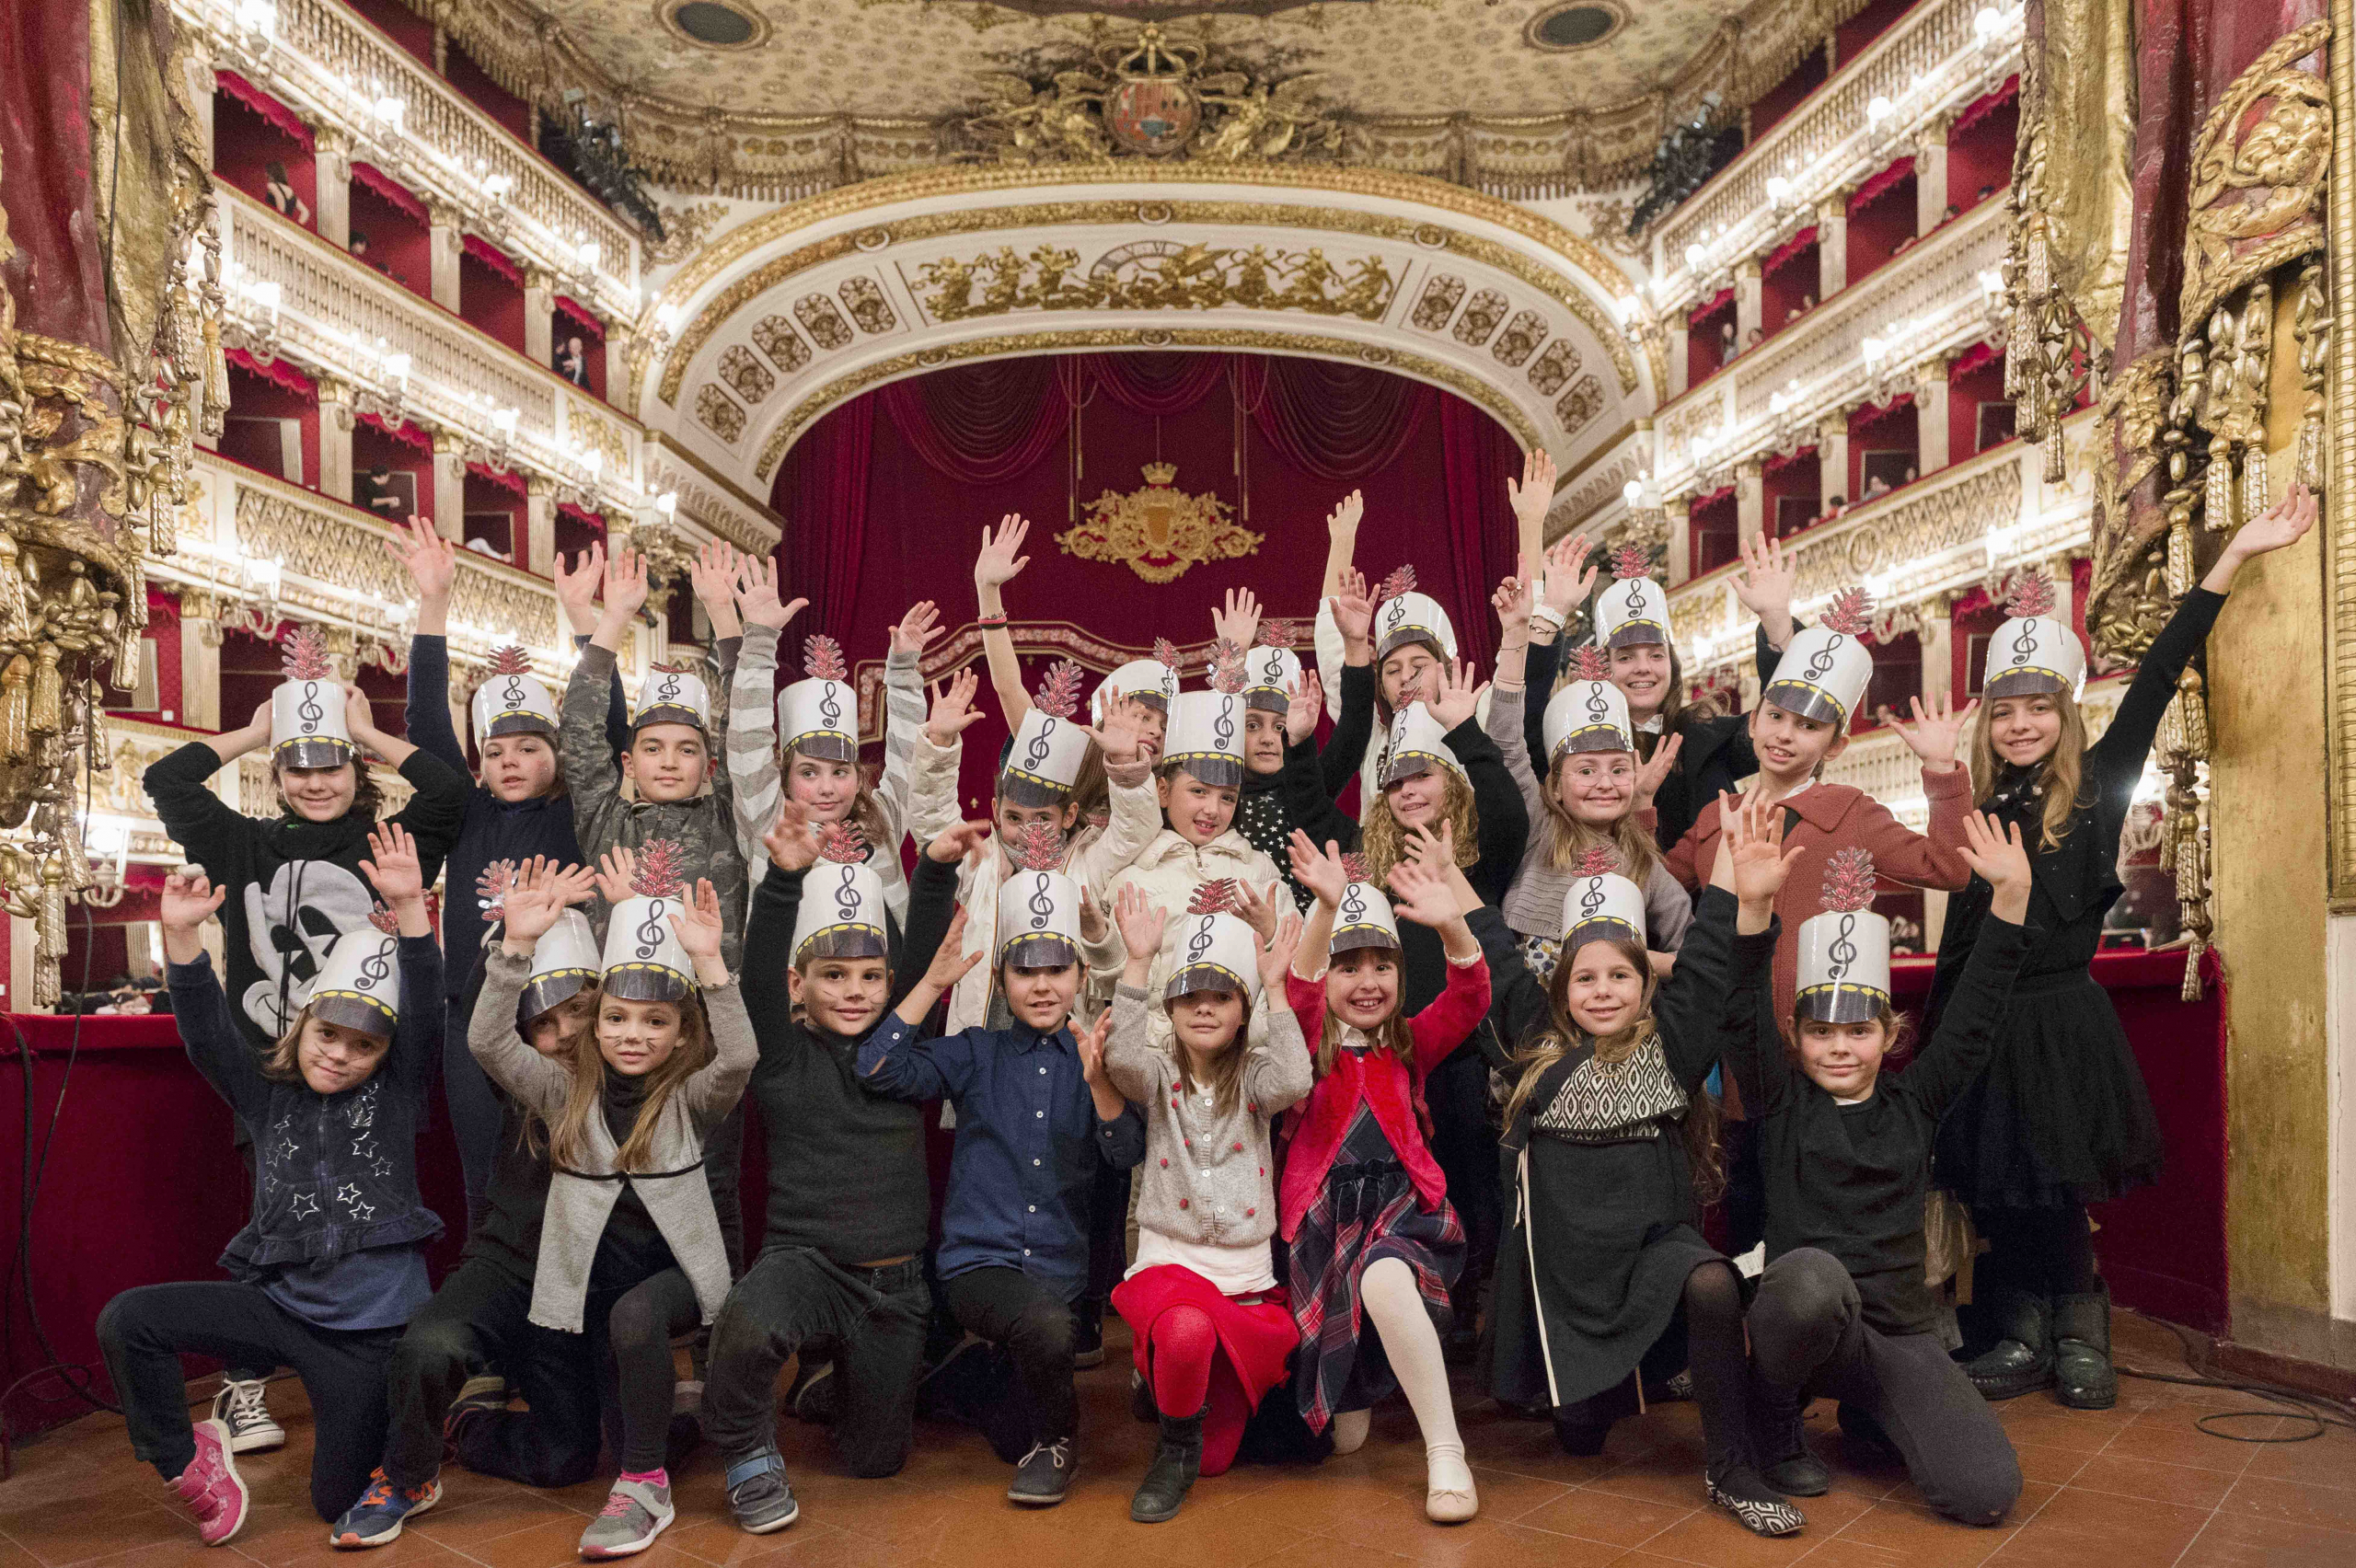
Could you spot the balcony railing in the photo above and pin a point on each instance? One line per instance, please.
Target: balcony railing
(337, 70)
(1938, 58)
(293, 292)
(1859, 346)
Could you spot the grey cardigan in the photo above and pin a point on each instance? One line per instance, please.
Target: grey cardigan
(1206, 1179)
(677, 1196)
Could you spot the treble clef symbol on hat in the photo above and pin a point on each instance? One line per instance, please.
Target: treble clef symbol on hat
(1637, 604)
(1198, 942)
(830, 710)
(1353, 905)
(650, 929)
(2025, 642)
(1394, 613)
(1273, 669)
(1591, 898)
(1042, 907)
(846, 894)
(1223, 726)
(513, 695)
(1598, 710)
(308, 710)
(1036, 752)
(373, 969)
(1844, 951)
(1819, 663)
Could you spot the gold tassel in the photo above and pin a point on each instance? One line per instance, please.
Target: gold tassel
(49, 934)
(2192, 956)
(46, 714)
(15, 739)
(2217, 505)
(2180, 559)
(2256, 493)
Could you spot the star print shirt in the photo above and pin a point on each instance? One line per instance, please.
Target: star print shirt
(337, 1217)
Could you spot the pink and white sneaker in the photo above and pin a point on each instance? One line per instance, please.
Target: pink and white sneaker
(211, 1487)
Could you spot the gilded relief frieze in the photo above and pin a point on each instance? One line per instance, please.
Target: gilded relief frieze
(1155, 275)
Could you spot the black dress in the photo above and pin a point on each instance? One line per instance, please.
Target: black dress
(2062, 1114)
(1591, 1273)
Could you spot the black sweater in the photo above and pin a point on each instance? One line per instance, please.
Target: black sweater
(847, 1167)
(294, 885)
(1850, 1179)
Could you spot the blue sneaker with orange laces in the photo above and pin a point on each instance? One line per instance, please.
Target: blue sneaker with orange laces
(377, 1517)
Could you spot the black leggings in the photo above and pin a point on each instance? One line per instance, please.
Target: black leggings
(2040, 1251)
(1710, 1319)
(1809, 1337)
(144, 1333)
(630, 1334)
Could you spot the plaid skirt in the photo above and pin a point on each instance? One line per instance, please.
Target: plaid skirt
(1365, 1211)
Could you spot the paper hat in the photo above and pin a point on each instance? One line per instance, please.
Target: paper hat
(1825, 670)
(511, 700)
(1601, 905)
(1044, 763)
(2033, 652)
(307, 711)
(563, 961)
(1633, 607)
(1363, 917)
(1206, 730)
(1415, 744)
(360, 984)
(644, 961)
(1038, 906)
(1845, 953)
(670, 696)
(1402, 616)
(1217, 952)
(1151, 681)
(1589, 714)
(1271, 669)
(819, 715)
(842, 901)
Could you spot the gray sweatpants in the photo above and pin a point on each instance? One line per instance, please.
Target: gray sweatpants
(1808, 1335)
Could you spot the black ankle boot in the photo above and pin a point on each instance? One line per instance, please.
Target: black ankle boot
(1582, 1438)
(1780, 1442)
(1172, 1475)
(2022, 1361)
(2083, 1377)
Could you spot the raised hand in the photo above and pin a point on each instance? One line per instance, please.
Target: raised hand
(1304, 700)
(577, 590)
(697, 924)
(1353, 606)
(1651, 775)
(1422, 895)
(1341, 523)
(713, 572)
(2284, 522)
(1121, 731)
(392, 865)
(1535, 493)
(918, 627)
(1092, 925)
(756, 593)
(1458, 693)
(1090, 1042)
(1754, 847)
(431, 560)
(1569, 578)
(1141, 921)
(792, 844)
(189, 900)
(1239, 619)
(625, 586)
(1318, 870)
(1001, 554)
(537, 894)
(1994, 850)
(1257, 908)
(950, 960)
(954, 712)
(1435, 851)
(953, 844)
(359, 716)
(1276, 953)
(1937, 734)
(1512, 603)
(617, 869)
(1765, 584)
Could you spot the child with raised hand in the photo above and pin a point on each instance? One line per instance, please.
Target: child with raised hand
(1843, 1309)
(1274, 684)
(630, 1250)
(1590, 798)
(1036, 1118)
(1363, 1207)
(518, 807)
(840, 1273)
(2061, 1118)
(1210, 1325)
(1604, 1275)
(328, 1268)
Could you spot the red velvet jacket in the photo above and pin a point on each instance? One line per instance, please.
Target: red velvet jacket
(1382, 1081)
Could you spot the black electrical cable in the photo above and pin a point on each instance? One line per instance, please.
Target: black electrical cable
(2319, 1411)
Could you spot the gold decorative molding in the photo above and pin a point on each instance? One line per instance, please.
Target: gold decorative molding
(807, 411)
(2339, 489)
(1197, 278)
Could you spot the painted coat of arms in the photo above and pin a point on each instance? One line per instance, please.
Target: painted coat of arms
(1159, 531)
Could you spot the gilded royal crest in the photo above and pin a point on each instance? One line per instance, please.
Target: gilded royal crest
(1159, 531)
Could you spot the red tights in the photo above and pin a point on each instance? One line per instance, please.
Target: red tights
(1190, 1371)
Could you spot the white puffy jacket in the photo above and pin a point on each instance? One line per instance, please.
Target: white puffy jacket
(1169, 870)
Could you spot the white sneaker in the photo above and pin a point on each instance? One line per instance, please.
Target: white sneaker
(243, 1407)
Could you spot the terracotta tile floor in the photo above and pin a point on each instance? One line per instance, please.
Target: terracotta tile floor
(2127, 1488)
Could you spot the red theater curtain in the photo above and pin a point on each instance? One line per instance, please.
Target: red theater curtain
(1334, 422)
(982, 423)
(827, 519)
(1481, 535)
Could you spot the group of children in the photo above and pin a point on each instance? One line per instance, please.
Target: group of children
(1201, 1034)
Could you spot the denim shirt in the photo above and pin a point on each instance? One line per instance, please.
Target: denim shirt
(1028, 1143)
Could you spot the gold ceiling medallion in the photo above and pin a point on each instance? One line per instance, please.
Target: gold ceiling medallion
(1159, 531)
(1156, 274)
(1152, 100)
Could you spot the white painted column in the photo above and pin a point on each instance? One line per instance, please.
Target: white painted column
(1931, 175)
(1749, 297)
(335, 439)
(331, 172)
(445, 243)
(1931, 430)
(1681, 544)
(450, 487)
(1832, 246)
(1832, 462)
(1750, 499)
(1677, 349)
(540, 306)
(538, 554)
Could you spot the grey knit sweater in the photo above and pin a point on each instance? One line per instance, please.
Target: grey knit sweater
(1206, 1179)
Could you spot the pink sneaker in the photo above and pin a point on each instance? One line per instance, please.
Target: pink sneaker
(211, 1487)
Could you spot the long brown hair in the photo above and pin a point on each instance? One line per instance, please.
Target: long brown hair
(1391, 1034)
(1699, 1123)
(283, 1064)
(1383, 842)
(569, 1134)
(1225, 1080)
(533, 1135)
(1636, 848)
(2057, 790)
(866, 812)
(1675, 708)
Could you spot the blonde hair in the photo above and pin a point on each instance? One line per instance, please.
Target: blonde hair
(2058, 790)
(569, 1133)
(533, 1133)
(1383, 842)
(1636, 848)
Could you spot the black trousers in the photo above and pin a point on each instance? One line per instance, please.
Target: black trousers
(629, 1337)
(1464, 1147)
(1032, 1322)
(1808, 1335)
(144, 1333)
(479, 1318)
(1108, 1232)
(476, 1113)
(869, 1321)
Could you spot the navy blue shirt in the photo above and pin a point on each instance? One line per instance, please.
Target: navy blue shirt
(1028, 1143)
